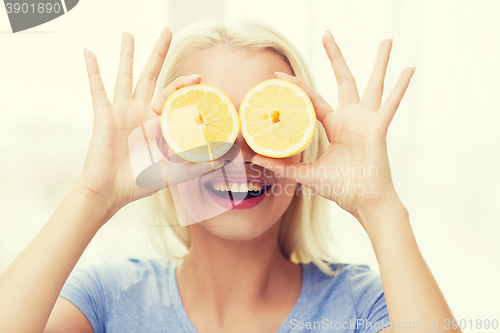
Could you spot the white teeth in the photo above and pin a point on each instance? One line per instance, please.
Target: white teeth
(237, 187)
(254, 186)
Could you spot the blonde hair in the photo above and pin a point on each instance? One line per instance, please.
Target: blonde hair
(305, 234)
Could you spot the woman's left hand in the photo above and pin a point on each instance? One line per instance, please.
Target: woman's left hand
(354, 171)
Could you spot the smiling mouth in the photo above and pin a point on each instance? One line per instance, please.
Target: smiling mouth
(238, 191)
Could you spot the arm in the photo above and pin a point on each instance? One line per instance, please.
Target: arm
(30, 286)
(357, 132)
(411, 292)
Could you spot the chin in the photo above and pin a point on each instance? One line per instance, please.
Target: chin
(238, 225)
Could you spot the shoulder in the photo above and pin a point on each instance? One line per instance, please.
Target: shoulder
(354, 283)
(120, 275)
(105, 282)
(354, 276)
(104, 290)
(132, 268)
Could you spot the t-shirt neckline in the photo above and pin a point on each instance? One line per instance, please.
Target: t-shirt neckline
(188, 325)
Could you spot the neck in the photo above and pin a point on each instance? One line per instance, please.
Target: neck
(231, 274)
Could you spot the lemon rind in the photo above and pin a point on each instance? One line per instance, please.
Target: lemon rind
(204, 87)
(290, 151)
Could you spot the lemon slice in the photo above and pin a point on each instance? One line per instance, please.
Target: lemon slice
(277, 118)
(199, 122)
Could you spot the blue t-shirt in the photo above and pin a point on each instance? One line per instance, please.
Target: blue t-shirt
(141, 295)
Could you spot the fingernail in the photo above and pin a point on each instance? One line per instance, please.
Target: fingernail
(195, 75)
(280, 73)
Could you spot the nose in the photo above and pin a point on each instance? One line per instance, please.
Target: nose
(246, 152)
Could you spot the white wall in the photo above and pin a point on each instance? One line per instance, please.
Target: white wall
(444, 142)
(46, 117)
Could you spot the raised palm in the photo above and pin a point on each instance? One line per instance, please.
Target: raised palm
(354, 171)
(107, 170)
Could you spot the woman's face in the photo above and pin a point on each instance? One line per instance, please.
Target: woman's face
(235, 73)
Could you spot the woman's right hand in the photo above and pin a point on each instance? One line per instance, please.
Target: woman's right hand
(107, 173)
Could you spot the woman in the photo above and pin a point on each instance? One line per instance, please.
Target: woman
(266, 268)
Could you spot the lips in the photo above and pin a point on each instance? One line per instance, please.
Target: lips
(236, 192)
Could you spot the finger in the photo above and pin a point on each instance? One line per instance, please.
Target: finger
(124, 80)
(176, 173)
(153, 167)
(179, 82)
(346, 85)
(99, 97)
(163, 174)
(284, 167)
(375, 87)
(147, 80)
(321, 106)
(391, 104)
